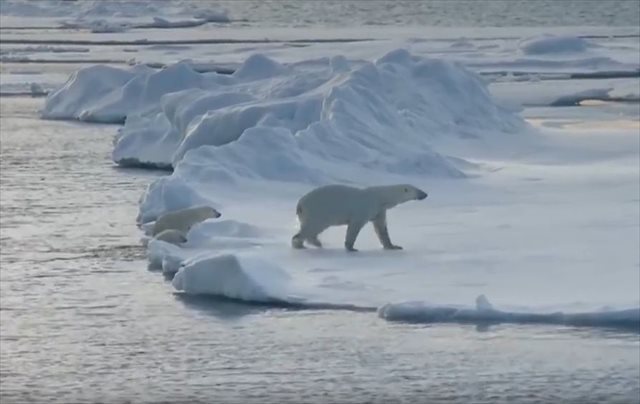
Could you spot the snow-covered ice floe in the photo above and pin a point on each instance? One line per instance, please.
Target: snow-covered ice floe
(334, 108)
(251, 143)
(484, 314)
(254, 280)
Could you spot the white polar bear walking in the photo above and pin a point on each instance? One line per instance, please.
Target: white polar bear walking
(337, 205)
(182, 220)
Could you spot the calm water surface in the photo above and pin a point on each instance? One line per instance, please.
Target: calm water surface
(83, 321)
(430, 13)
(353, 13)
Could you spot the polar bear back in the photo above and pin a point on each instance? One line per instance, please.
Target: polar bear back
(335, 205)
(182, 220)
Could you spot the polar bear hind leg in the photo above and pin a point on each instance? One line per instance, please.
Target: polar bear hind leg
(297, 241)
(308, 233)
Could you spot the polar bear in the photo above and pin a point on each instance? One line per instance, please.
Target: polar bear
(172, 236)
(336, 205)
(182, 220)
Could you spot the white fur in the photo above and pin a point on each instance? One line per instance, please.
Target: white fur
(172, 236)
(336, 205)
(182, 220)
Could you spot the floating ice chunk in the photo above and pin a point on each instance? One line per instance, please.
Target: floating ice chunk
(484, 313)
(159, 22)
(220, 16)
(576, 98)
(234, 277)
(96, 26)
(554, 44)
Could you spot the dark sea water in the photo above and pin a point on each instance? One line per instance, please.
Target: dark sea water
(444, 13)
(353, 13)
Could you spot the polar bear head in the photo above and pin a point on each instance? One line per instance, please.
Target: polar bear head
(389, 196)
(206, 212)
(407, 192)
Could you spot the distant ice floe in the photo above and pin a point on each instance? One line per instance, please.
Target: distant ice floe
(100, 26)
(112, 9)
(554, 44)
(105, 26)
(111, 16)
(219, 16)
(564, 92)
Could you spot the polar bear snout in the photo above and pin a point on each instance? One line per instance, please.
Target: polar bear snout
(209, 212)
(408, 191)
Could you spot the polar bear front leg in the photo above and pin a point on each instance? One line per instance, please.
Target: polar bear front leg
(353, 229)
(380, 226)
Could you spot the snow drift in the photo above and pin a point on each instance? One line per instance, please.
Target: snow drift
(235, 277)
(330, 108)
(312, 122)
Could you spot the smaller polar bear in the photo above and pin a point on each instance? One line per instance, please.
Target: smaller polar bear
(182, 220)
(336, 205)
(172, 236)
